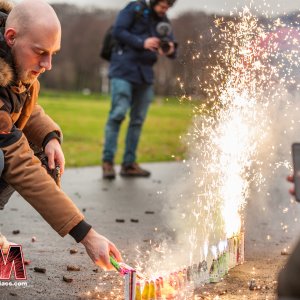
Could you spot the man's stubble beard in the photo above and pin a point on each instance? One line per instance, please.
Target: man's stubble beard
(23, 76)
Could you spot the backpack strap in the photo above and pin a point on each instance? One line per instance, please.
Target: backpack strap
(141, 8)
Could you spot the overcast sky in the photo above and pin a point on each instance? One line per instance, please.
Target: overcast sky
(210, 6)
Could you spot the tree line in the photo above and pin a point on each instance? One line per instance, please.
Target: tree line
(78, 65)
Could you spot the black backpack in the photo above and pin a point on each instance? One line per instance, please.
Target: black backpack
(109, 42)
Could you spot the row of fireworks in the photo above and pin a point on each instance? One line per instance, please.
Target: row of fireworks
(181, 284)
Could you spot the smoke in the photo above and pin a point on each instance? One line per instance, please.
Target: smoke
(194, 206)
(273, 214)
(238, 147)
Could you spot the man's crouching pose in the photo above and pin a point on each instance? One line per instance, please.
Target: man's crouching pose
(30, 34)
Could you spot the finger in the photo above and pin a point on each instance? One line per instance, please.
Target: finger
(292, 191)
(61, 162)
(51, 160)
(104, 258)
(290, 178)
(172, 49)
(115, 252)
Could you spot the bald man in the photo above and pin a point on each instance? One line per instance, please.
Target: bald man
(30, 35)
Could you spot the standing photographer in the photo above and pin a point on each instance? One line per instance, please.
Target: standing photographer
(142, 31)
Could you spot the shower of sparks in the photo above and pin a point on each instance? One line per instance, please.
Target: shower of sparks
(255, 69)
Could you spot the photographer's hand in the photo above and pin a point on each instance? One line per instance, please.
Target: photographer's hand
(151, 43)
(290, 178)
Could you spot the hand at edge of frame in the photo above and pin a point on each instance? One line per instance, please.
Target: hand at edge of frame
(290, 178)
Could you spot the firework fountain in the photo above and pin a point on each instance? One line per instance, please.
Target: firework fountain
(229, 130)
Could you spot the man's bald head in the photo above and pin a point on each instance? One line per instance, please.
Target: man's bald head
(29, 14)
(33, 33)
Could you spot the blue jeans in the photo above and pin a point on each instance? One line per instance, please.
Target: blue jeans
(125, 96)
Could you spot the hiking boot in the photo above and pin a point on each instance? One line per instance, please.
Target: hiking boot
(4, 244)
(133, 170)
(108, 170)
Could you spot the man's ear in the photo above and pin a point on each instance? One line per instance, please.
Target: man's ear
(10, 36)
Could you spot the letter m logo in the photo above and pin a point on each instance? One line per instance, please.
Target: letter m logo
(13, 260)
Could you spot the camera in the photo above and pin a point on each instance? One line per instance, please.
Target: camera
(164, 30)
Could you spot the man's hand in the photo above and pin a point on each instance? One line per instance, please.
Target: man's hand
(151, 43)
(55, 155)
(290, 178)
(99, 248)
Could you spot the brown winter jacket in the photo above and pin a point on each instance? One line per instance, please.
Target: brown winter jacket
(22, 120)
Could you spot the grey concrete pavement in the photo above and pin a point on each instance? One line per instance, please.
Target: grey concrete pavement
(103, 202)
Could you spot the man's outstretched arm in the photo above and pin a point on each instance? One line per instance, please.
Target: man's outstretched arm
(24, 172)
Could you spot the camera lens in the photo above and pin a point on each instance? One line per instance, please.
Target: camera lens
(165, 47)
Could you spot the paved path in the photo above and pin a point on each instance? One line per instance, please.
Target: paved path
(126, 199)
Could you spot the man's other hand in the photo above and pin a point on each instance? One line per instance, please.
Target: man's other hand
(99, 248)
(55, 155)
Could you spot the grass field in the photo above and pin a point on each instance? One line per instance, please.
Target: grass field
(82, 119)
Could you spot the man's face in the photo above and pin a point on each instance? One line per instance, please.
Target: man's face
(161, 8)
(33, 51)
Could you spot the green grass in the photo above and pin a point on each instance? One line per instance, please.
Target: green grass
(82, 119)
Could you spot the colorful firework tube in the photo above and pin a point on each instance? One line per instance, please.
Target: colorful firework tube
(152, 295)
(123, 268)
(138, 294)
(161, 280)
(181, 279)
(130, 285)
(236, 245)
(130, 278)
(172, 281)
(138, 274)
(226, 261)
(205, 272)
(221, 265)
(115, 264)
(176, 281)
(158, 289)
(145, 294)
(189, 273)
(184, 275)
(232, 255)
(214, 272)
(241, 248)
